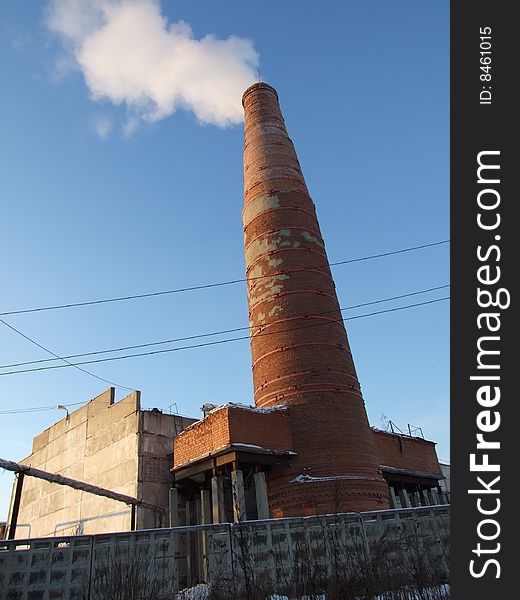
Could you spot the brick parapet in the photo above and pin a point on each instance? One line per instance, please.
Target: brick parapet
(233, 424)
(406, 453)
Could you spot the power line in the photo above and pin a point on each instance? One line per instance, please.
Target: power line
(205, 344)
(63, 359)
(35, 409)
(214, 285)
(222, 332)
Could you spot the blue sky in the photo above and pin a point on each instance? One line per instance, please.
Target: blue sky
(99, 201)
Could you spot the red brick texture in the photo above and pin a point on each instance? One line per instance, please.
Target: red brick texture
(233, 425)
(408, 453)
(268, 430)
(201, 438)
(301, 355)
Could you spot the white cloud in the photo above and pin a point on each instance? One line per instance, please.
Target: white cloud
(129, 54)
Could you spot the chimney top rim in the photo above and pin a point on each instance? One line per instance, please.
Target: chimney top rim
(260, 85)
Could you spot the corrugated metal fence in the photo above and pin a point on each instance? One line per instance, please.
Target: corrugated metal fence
(278, 554)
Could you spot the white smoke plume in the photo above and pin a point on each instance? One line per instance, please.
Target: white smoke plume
(129, 54)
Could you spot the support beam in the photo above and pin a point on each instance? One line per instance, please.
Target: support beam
(16, 506)
(393, 498)
(239, 498)
(174, 507)
(440, 493)
(403, 496)
(262, 503)
(217, 499)
(9, 465)
(189, 561)
(433, 497)
(205, 502)
(205, 514)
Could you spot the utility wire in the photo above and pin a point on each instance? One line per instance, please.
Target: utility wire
(69, 364)
(35, 409)
(214, 285)
(222, 332)
(205, 344)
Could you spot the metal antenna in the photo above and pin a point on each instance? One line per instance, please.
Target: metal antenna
(258, 69)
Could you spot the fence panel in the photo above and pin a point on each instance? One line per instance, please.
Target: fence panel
(286, 555)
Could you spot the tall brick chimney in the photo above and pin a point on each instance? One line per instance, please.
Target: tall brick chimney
(301, 355)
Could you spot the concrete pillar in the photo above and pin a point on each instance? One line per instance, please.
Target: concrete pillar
(189, 511)
(174, 507)
(433, 497)
(217, 499)
(393, 500)
(205, 503)
(189, 561)
(205, 519)
(262, 503)
(403, 496)
(239, 498)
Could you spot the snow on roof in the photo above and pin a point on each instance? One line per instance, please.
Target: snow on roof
(260, 411)
(236, 446)
(254, 409)
(406, 436)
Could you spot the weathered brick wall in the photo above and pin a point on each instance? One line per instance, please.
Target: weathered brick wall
(301, 354)
(268, 430)
(201, 438)
(233, 424)
(409, 453)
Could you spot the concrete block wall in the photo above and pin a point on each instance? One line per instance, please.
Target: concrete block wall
(98, 444)
(156, 437)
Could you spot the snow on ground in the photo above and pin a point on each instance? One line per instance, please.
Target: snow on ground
(311, 479)
(199, 592)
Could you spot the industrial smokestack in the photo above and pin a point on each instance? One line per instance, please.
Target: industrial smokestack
(305, 362)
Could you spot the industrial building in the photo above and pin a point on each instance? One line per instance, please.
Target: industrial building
(304, 448)
(114, 445)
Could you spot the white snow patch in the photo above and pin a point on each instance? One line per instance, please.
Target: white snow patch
(429, 593)
(311, 479)
(199, 592)
(255, 447)
(270, 409)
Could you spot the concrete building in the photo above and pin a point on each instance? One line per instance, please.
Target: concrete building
(113, 445)
(446, 482)
(306, 447)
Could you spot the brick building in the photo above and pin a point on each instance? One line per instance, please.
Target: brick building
(306, 447)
